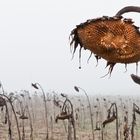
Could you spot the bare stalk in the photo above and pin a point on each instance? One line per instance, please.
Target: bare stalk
(31, 125)
(128, 9)
(45, 105)
(91, 118)
(67, 113)
(110, 118)
(17, 124)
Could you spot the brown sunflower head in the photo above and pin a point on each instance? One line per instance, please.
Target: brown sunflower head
(115, 39)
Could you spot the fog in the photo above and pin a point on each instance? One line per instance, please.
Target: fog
(34, 44)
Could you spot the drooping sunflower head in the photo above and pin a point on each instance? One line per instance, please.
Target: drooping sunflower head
(115, 39)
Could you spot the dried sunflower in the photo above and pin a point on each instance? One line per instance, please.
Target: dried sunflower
(115, 39)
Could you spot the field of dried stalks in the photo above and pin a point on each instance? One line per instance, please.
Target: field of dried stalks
(54, 116)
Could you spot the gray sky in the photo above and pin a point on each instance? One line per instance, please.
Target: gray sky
(34, 44)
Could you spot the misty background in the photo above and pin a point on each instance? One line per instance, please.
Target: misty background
(35, 47)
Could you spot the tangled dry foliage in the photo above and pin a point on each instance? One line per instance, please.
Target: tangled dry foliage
(113, 117)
